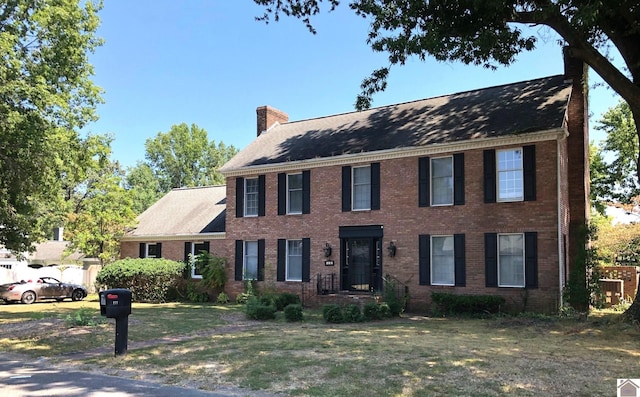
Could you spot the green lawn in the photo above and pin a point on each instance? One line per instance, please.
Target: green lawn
(411, 356)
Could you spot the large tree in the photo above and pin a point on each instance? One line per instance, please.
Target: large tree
(46, 96)
(487, 33)
(184, 157)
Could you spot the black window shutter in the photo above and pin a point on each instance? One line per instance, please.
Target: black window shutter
(143, 250)
(458, 179)
(491, 259)
(261, 195)
(306, 192)
(531, 259)
(529, 172)
(187, 251)
(282, 259)
(207, 246)
(489, 176)
(423, 182)
(375, 186)
(261, 260)
(159, 250)
(424, 260)
(282, 193)
(459, 260)
(306, 260)
(239, 259)
(346, 188)
(239, 197)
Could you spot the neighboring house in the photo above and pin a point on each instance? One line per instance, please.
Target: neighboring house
(50, 258)
(181, 224)
(479, 192)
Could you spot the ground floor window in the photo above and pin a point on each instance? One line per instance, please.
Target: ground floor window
(250, 269)
(442, 260)
(511, 260)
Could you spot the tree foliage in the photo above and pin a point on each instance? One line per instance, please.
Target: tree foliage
(143, 186)
(184, 157)
(46, 95)
(622, 143)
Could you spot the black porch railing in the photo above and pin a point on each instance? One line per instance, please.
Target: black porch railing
(327, 284)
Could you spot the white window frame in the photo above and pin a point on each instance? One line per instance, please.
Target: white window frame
(516, 170)
(245, 260)
(247, 200)
(193, 259)
(521, 285)
(291, 190)
(289, 257)
(453, 263)
(432, 185)
(146, 250)
(354, 185)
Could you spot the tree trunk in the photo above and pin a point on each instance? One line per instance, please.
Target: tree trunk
(633, 312)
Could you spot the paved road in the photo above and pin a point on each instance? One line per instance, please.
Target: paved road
(22, 377)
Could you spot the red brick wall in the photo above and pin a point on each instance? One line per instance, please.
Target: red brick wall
(403, 221)
(173, 249)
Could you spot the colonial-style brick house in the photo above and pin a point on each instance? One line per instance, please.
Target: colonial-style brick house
(182, 223)
(478, 192)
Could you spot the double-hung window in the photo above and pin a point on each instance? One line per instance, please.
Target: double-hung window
(442, 260)
(442, 181)
(152, 251)
(250, 262)
(510, 175)
(294, 194)
(294, 260)
(361, 199)
(511, 261)
(195, 249)
(251, 197)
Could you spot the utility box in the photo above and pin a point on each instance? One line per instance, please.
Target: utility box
(115, 303)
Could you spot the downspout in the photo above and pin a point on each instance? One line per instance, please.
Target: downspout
(561, 256)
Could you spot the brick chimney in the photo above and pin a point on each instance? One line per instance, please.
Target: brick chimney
(575, 71)
(268, 116)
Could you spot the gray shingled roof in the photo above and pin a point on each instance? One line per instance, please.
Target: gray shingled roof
(185, 211)
(529, 106)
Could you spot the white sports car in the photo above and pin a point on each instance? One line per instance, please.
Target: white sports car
(40, 289)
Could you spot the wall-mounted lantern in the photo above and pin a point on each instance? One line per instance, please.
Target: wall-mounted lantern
(391, 249)
(327, 250)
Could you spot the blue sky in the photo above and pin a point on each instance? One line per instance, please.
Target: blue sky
(209, 63)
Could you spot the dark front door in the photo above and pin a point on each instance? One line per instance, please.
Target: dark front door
(361, 265)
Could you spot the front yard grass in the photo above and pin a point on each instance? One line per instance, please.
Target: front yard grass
(411, 356)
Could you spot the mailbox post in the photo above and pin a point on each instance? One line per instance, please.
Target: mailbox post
(116, 303)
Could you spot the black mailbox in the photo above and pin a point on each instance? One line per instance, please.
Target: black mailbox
(115, 303)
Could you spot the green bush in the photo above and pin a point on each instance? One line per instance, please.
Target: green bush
(82, 317)
(212, 269)
(195, 294)
(293, 312)
(222, 298)
(467, 304)
(256, 310)
(332, 314)
(285, 299)
(391, 298)
(375, 311)
(352, 314)
(148, 279)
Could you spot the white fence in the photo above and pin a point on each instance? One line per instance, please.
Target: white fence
(21, 271)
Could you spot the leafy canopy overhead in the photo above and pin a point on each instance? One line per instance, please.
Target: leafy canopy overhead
(46, 96)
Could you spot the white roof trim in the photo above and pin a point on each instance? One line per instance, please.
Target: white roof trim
(175, 237)
(413, 151)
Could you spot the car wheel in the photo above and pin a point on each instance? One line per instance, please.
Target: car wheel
(77, 295)
(28, 297)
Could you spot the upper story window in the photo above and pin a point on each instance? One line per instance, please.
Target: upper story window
(250, 268)
(361, 199)
(294, 260)
(294, 194)
(510, 175)
(442, 181)
(511, 261)
(251, 197)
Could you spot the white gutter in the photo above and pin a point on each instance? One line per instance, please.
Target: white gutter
(561, 255)
(175, 237)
